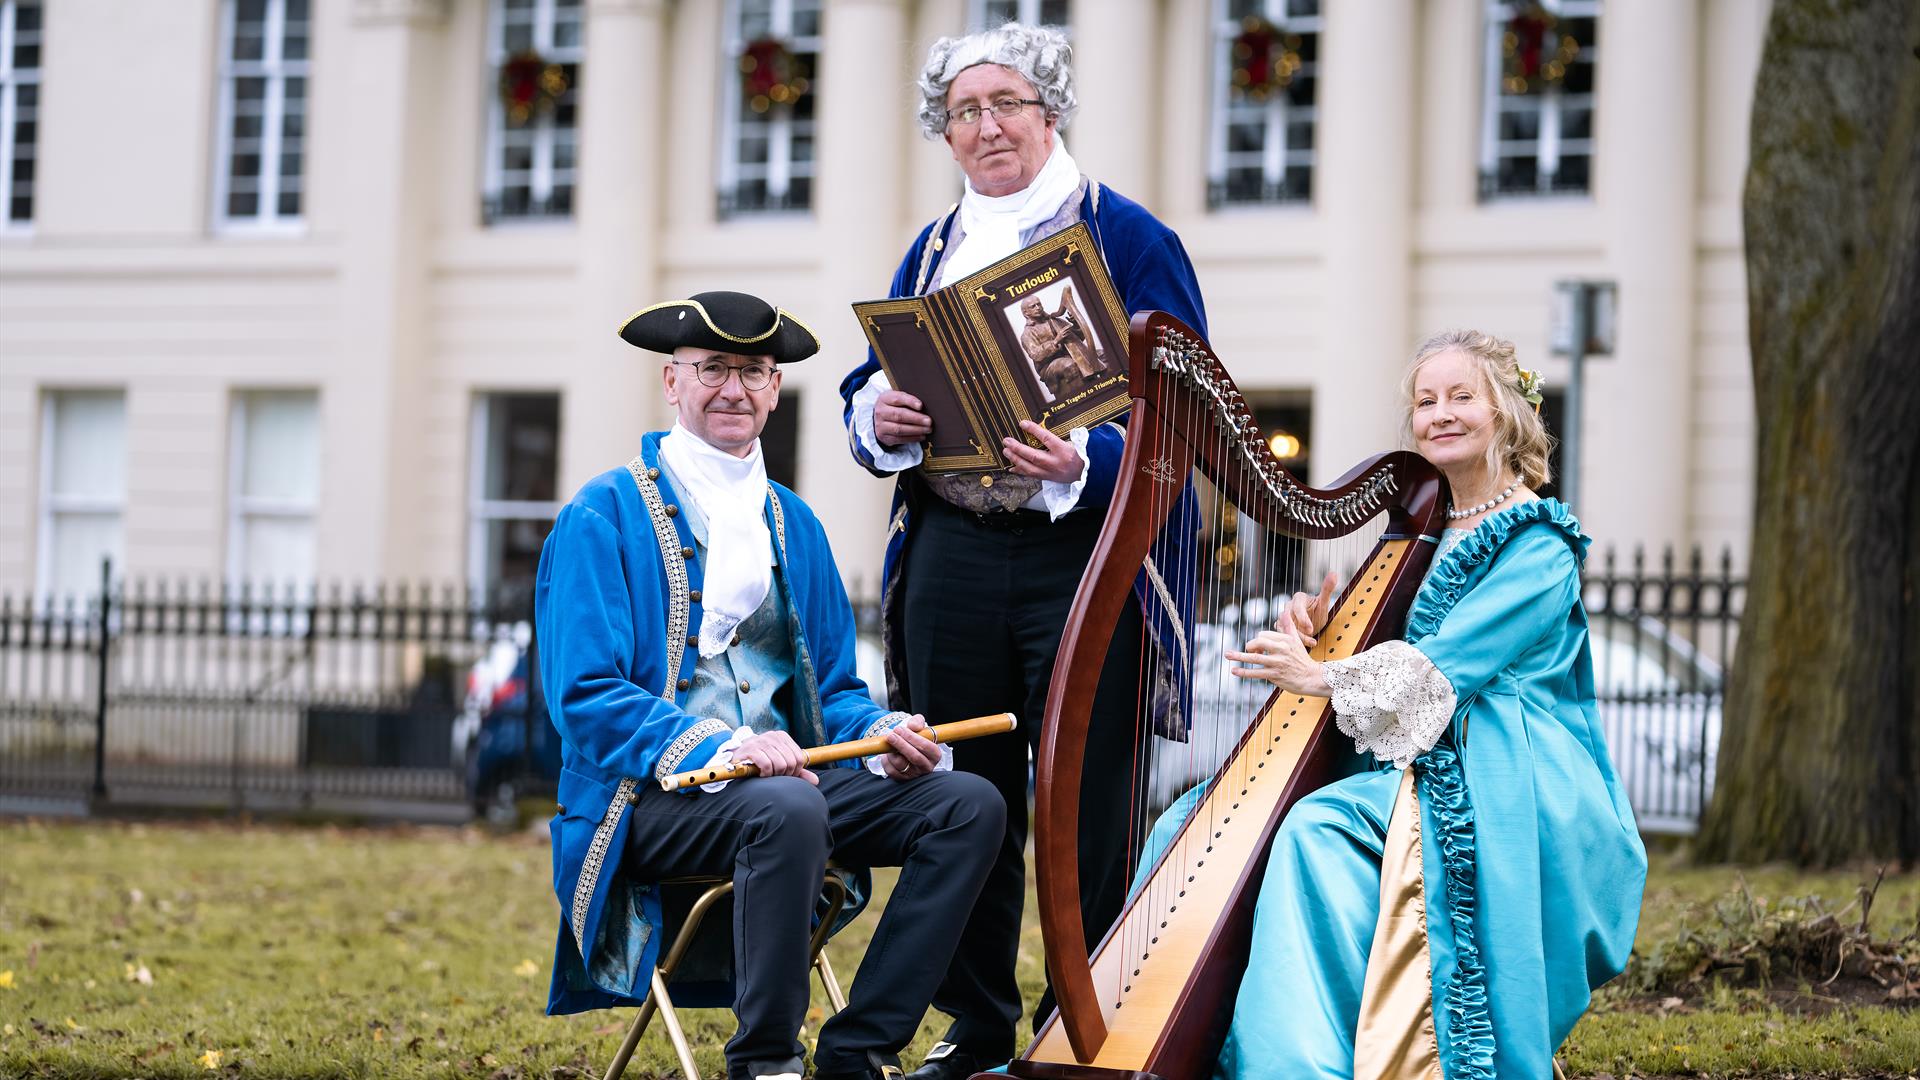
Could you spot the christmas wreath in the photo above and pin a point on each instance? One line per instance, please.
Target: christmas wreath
(1534, 52)
(1265, 59)
(770, 74)
(529, 84)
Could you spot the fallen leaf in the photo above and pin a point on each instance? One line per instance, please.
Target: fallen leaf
(526, 969)
(210, 1059)
(6, 979)
(7, 1030)
(139, 974)
(135, 896)
(72, 1026)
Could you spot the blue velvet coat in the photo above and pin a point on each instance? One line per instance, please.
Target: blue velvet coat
(615, 606)
(1151, 272)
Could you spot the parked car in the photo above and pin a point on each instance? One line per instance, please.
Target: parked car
(1659, 704)
(511, 747)
(1658, 699)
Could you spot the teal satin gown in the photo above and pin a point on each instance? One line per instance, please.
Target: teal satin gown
(1532, 866)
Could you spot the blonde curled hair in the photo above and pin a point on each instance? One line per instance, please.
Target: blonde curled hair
(1520, 441)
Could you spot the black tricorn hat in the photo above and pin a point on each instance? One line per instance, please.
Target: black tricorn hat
(728, 322)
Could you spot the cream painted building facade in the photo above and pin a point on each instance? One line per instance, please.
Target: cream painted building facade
(387, 350)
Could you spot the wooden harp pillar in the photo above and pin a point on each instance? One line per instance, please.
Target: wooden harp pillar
(1153, 998)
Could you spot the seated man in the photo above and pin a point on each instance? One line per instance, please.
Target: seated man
(689, 613)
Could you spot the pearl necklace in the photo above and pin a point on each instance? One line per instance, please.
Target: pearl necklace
(1456, 515)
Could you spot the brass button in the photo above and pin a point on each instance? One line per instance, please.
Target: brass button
(938, 243)
(986, 481)
(560, 808)
(653, 474)
(694, 596)
(693, 641)
(633, 796)
(684, 685)
(744, 688)
(686, 553)
(735, 641)
(672, 510)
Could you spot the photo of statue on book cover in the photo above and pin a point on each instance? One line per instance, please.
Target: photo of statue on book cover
(1064, 356)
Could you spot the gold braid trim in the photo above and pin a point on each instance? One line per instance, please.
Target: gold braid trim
(678, 614)
(684, 743)
(596, 855)
(679, 608)
(886, 723)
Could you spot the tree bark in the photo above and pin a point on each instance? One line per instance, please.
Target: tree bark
(1819, 758)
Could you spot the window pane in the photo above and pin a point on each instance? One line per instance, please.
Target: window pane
(281, 455)
(523, 447)
(276, 549)
(1053, 12)
(79, 543)
(512, 552)
(89, 444)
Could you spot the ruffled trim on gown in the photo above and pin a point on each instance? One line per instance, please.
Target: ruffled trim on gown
(1443, 783)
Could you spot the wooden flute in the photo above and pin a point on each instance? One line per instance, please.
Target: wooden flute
(821, 755)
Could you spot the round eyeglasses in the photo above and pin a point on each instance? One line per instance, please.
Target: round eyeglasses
(1003, 109)
(753, 376)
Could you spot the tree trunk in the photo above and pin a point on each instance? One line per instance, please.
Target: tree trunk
(1820, 755)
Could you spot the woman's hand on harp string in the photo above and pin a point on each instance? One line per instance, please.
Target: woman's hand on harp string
(1055, 460)
(1307, 614)
(774, 753)
(1280, 657)
(913, 755)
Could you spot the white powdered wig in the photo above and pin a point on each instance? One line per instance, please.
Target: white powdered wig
(1039, 54)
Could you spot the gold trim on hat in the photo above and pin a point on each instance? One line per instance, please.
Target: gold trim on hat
(779, 315)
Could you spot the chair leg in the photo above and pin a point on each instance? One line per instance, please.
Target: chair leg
(828, 982)
(639, 1028)
(672, 1022)
(1558, 1073)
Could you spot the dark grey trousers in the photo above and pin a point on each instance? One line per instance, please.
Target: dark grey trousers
(774, 835)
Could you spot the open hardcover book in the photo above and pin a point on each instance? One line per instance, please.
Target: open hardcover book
(1039, 335)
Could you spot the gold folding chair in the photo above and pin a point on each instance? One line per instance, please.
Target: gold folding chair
(832, 889)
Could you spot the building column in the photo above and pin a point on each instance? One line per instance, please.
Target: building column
(374, 477)
(1363, 188)
(1646, 187)
(1114, 65)
(615, 397)
(865, 116)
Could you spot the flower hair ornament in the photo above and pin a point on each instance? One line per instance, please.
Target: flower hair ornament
(1530, 384)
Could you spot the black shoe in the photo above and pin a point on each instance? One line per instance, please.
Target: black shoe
(949, 1062)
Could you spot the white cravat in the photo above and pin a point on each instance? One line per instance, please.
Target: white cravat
(994, 225)
(732, 493)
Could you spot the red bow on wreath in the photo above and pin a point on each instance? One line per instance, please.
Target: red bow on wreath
(529, 84)
(1533, 53)
(770, 74)
(1265, 60)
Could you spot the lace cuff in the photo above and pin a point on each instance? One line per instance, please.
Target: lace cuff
(723, 757)
(1059, 499)
(897, 459)
(1391, 701)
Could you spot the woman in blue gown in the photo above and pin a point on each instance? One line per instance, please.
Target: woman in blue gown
(1447, 914)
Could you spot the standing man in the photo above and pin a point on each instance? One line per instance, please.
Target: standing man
(981, 571)
(690, 614)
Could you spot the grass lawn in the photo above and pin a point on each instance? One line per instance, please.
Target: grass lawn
(190, 950)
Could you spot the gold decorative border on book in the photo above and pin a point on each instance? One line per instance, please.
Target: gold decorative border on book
(919, 306)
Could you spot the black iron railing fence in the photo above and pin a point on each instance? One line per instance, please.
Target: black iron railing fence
(424, 701)
(261, 698)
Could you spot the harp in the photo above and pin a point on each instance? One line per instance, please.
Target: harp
(1154, 997)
